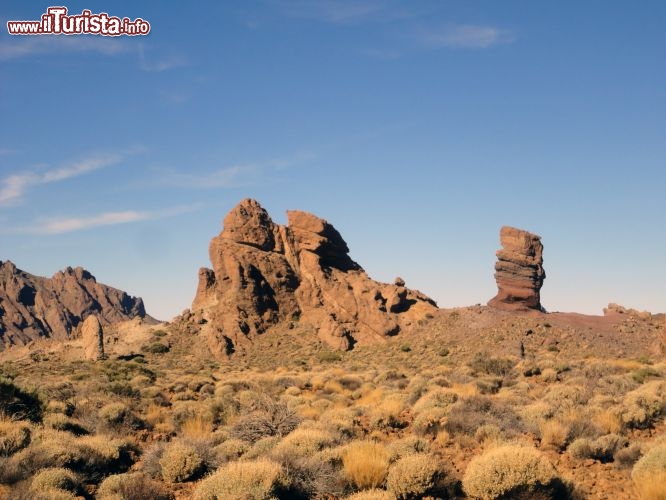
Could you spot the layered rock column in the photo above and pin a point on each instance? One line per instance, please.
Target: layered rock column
(519, 271)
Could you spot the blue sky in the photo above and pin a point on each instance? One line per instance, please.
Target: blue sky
(418, 128)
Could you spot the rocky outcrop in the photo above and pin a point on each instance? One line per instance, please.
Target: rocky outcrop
(92, 336)
(32, 307)
(519, 271)
(265, 274)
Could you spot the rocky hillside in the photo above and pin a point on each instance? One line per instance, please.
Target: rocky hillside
(265, 274)
(32, 306)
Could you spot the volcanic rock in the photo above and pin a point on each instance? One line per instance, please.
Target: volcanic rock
(519, 271)
(93, 338)
(265, 274)
(32, 307)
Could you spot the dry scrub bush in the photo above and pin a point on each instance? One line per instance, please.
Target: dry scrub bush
(554, 433)
(303, 442)
(270, 418)
(255, 480)
(197, 427)
(406, 446)
(132, 486)
(649, 474)
(55, 478)
(14, 436)
(387, 413)
(366, 463)
(413, 476)
(470, 413)
(511, 472)
(439, 398)
(231, 449)
(373, 494)
(603, 448)
(180, 462)
(643, 406)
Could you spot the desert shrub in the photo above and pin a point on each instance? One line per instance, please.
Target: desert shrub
(429, 421)
(643, 406)
(408, 445)
(303, 442)
(252, 480)
(61, 422)
(602, 448)
(439, 398)
(230, 449)
(113, 413)
(313, 476)
(270, 418)
(554, 433)
(155, 348)
(132, 486)
(625, 458)
(14, 436)
(19, 404)
(387, 414)
(413, 476)
(93, 456)
(484, 363)
(373, 494)
(366, 463)
(643, 374)
(180, 462)
(472, 412)
(511, 472)
(55, 478)
(649, 474)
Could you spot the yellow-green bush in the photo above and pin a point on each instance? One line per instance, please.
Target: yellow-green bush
(14, 436)
(180, 462)
(132, 486)
(252, 480)
(649, 474)
(413, 476)
(509, 471)
(373, 494)
(55, 478)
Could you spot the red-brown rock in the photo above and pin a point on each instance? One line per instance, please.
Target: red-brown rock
(32, 306)
(519, 271)
(265, 274)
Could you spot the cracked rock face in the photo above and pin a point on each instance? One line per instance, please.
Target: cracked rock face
(265, 274)
(519, 271)
(32, 306)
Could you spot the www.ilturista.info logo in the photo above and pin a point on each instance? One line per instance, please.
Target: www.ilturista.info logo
(57, 22)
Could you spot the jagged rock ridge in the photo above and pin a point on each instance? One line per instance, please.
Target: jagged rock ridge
(265, 274)
(33, 306)
(519, 271)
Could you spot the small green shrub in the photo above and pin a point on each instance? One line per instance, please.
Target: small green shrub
(132, 486)
(253, 480)
(180, 462)
(413, 476)
(512, 472)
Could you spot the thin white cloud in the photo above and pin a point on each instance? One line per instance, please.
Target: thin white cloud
(26, 46)
(220, 178)
(13, 187)
(72, 224)
(467, 36)
(344, 11)
(158, 65)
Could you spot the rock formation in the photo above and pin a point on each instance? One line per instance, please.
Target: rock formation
(32, 306)
(519, 272)
(265, 274)
(93, 338)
